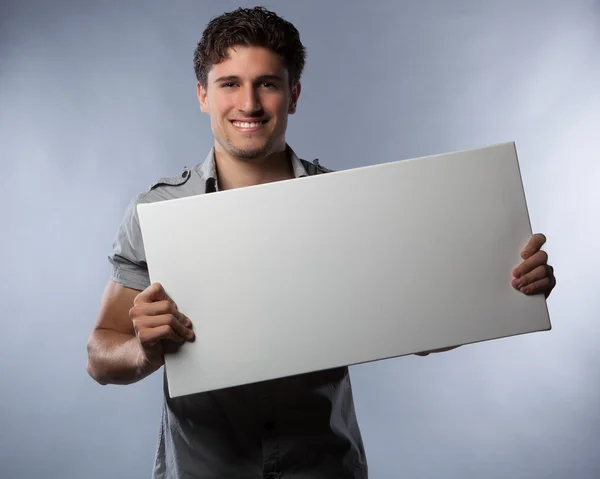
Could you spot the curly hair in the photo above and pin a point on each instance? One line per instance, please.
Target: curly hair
(251, 27)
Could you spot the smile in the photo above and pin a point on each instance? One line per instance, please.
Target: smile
(248, 125)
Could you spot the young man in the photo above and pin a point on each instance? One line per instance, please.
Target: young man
(248, 65)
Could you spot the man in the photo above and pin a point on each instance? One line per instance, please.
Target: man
(248, 66)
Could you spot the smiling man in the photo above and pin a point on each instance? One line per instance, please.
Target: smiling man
(248, 65)
(248, 92)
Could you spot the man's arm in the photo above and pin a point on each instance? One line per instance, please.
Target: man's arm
(126, 344)
(113, 349)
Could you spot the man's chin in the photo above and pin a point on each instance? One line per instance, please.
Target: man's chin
(250, 153)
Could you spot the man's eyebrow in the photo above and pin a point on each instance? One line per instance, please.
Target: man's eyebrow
(270, 77)
(229, 78)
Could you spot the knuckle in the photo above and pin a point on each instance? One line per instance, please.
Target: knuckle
(143, 337)
(540, 272)
(138, 299)
(166, 330)
(164, 306)
(162, 332)
(173, 335)
(134, 311)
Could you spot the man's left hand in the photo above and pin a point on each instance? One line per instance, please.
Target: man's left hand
(534, 275)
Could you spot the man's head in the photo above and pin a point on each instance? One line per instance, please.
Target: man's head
(248, 65)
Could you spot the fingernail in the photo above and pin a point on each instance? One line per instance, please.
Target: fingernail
(517, 274)
(515, 283)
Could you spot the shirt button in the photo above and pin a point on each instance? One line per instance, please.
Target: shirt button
(269, 425)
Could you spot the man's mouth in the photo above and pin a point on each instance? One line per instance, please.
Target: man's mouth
(248, 125)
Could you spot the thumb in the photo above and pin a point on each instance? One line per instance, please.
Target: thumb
(154, 292)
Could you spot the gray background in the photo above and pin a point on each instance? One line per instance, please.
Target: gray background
(97, 100)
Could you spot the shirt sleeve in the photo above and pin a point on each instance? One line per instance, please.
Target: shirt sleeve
(128, 258)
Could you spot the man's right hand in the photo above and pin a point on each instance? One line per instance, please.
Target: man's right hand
(157, 320)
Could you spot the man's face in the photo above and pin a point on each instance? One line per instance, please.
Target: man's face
(248, 99)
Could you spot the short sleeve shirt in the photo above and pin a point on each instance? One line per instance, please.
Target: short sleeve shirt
(297, 427)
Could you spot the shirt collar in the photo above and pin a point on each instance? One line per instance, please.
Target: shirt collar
(208, 169)
(208, 172)
(299, 170)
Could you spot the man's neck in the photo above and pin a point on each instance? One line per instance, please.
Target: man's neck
(235, 173)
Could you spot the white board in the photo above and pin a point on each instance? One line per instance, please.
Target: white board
(343, 268)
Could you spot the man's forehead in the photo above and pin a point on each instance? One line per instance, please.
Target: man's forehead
(249, 62)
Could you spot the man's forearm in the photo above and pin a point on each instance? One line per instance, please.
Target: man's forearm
(116, 358)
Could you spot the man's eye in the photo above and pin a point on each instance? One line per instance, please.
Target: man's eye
(267, 85)
(227, 85)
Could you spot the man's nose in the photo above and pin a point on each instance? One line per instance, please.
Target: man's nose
(249, 102)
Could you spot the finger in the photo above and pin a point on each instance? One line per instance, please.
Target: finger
(433, 351)
(551, 287)
(537, 287)
(538, 259)
(149, 337)
(154, 292)
(538, 273)
(534, 244)
(158, 308)
(155, 322)
(552, 280)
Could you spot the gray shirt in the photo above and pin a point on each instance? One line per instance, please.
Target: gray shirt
(297, 427)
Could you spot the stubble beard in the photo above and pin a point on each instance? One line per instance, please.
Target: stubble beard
(248, 153)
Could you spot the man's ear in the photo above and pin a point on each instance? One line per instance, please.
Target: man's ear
(202, 97)
(294, 98)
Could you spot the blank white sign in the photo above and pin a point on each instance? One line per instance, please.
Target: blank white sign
(343, 268)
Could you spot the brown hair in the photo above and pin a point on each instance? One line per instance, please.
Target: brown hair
(252, 27)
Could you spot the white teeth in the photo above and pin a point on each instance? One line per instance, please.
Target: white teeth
(246, 125)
